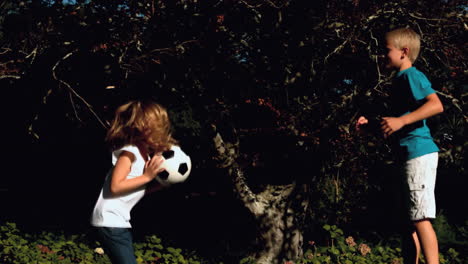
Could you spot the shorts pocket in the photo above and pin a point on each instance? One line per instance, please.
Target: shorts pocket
(415, 173)
(416, 186)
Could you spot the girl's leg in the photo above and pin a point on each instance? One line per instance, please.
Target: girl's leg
(118, 244)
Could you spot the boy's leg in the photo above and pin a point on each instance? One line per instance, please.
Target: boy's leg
(421, 177)
(411, 248)
(417, 245)
(428, 240)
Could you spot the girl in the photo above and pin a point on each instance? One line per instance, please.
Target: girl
(139, 129)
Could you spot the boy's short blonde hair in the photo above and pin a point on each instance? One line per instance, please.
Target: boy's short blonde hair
(405, 38)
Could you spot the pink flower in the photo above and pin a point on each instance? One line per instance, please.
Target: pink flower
(364, 249)
(350, 241)
(219, 19)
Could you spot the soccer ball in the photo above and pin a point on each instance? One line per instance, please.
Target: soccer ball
(176, 165)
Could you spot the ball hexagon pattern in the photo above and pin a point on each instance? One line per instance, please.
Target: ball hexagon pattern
(177, 166)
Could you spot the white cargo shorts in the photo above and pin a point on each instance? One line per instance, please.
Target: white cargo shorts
(421, 178)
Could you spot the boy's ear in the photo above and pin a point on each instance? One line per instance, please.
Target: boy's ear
(405, 52)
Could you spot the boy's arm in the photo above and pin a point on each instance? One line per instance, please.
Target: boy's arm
(362, 121)
(431, 107)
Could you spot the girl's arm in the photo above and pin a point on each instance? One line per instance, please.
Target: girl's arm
(431, 107)
(121, 185)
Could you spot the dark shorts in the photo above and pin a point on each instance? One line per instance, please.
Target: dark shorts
(117, 244)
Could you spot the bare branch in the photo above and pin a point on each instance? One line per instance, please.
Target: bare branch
(73, 105)
(269, 2)
(337, 49)
(10, 76)
(169, 49)
(454, 101)
(227, 159)
(253, 202)
(33, 54)
(372, 37)
(70, 89)
(425, 18)
(5, 50)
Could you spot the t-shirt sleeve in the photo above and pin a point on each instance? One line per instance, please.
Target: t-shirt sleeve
(420, 85)
(116, 153)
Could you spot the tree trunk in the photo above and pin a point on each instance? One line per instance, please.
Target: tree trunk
(279, 233)
(279, 211)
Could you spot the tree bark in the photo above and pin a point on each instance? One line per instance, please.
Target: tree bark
(279, 235)
(279, 211)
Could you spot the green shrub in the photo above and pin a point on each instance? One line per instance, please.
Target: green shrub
(343, 250)
(45, 248)
(348, 251)
(152, 251)
(71, 249)
(450, 235)
(48, 248)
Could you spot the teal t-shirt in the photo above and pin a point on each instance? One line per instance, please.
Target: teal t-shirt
(409, 90)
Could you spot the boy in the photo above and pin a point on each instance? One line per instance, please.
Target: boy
(412, 101)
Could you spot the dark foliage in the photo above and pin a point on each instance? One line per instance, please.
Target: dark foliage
(290, 76)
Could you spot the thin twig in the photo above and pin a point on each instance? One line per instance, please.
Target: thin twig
(425, 18)
(5, 51)
(10, 76)
(453, 100)
(171, 49)
(90, 108)
(337, 49)
(73, 105)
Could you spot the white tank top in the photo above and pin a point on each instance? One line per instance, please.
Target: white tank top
(115, 211)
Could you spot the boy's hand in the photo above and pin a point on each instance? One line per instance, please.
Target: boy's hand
(391, 125)
(361, 121)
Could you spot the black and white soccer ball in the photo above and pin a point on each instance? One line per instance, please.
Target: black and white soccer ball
(177, 166)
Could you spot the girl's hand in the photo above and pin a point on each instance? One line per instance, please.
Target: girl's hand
(361, 121)
(152, 166)
(391, 125)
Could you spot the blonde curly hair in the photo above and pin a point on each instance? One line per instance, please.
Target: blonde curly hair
(141, 123)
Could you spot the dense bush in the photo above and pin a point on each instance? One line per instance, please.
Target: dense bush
(315, 65)
(345, 249)
(48, 247)
(335, 247)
